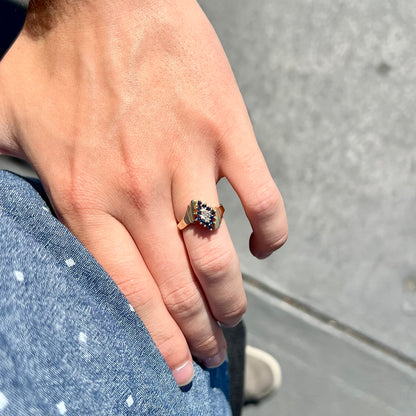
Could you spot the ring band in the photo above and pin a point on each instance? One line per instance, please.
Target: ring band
(203, 214)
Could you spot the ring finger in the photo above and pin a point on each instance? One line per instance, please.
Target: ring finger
(211, 253)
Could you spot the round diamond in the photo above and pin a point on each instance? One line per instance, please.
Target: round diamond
(205, 214)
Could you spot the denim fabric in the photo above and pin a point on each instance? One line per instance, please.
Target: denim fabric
(70, 344)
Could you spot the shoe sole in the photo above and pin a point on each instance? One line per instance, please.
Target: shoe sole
(271, 363)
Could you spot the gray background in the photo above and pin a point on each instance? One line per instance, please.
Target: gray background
(330, 86)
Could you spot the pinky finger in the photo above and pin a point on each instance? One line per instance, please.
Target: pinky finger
(122, 260)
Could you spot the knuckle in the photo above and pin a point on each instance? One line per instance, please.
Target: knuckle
(138, 295)
(215, 264)
(266, 202)
(72, 197)
(233, 316)
(139, 192)
(77, 200)
(184, 302)
(207, 346)
(269, 243)
(173, 353)
(278, 238)
(281, 239)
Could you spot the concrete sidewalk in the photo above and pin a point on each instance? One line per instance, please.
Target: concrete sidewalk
(326, 371)
(331, 90)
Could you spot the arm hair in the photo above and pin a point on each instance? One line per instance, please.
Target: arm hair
(42, 15)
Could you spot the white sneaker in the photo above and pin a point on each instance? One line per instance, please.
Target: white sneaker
(262, 376)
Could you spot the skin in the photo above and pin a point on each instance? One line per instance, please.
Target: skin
(129, 111)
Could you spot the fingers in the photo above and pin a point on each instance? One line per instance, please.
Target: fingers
(248, 174)
(211, 253)
(162, 247)
(114, 249)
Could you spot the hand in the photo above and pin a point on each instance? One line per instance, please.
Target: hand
(127, 111)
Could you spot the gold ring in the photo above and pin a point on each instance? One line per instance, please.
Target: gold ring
(208, 217)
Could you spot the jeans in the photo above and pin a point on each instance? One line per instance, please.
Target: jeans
(70, 343)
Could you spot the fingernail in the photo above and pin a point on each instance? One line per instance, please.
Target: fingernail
(234, 324)
(184, 374)
(216, 360)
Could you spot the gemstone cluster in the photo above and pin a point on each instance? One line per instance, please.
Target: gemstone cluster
(205, 215)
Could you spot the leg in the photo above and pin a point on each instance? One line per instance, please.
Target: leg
(69, 341)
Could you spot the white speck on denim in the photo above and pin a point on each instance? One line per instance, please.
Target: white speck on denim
(19, 275)
(82, 337)
(70, 262)
(130, 401)
(3, 401)
(61, 408)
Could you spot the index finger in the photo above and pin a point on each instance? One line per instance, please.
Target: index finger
(247, 172)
